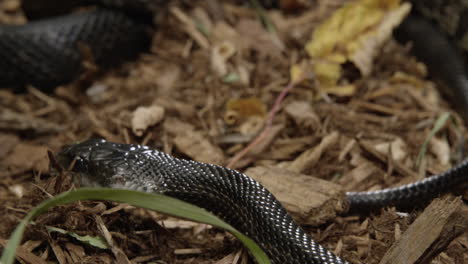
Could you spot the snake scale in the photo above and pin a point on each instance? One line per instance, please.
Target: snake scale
(52, 57)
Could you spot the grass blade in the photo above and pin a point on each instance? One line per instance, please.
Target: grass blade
(438, 125)
(156, 202)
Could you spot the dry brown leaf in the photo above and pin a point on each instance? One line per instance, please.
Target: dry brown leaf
(195, 145)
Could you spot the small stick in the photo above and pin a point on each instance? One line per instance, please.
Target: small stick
(269, 121)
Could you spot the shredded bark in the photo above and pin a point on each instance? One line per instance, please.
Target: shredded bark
(204, 54)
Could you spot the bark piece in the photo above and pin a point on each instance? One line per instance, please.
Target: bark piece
(441, 222)
(24, 254)
(310, 200)
(399, 167)
(13, 121)
(28, 156)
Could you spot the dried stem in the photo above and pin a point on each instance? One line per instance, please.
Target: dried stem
(269, 122)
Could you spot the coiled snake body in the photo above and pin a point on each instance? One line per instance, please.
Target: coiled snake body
(50, 52)
(233, 196)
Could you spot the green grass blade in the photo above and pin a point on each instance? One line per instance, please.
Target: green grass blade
(438, 125)
(156, 202)
(95, 241)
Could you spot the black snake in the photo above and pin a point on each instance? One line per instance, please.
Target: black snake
(234, 197)
(52, 57)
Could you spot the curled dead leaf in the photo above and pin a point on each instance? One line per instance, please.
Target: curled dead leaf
(144, 117)
(219, 56)
(303, 114)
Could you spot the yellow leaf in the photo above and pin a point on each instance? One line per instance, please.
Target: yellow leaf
(401, 77)
(296, 73)
(327, 73)
(341, 90)
(343, 36)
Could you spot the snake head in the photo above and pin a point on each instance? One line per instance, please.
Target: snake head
(85, 160)
(99, 163)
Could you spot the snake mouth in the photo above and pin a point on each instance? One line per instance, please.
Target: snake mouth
(79, 152)
(76, 158)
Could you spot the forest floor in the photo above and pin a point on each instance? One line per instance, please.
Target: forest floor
(216, 70)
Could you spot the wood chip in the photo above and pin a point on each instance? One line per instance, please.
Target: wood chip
(266, 142)
(62, 256)
(310, 157)
(24, 254)
(190, 27)
(441, 222)
(119, 255)
(399, 167)
(8, 143)
(10, 120)
(188, 251)
(29, 156)
(359, 175)
(194, 143)
(310, 200)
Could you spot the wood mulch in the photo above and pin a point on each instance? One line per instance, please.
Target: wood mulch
(203, 92)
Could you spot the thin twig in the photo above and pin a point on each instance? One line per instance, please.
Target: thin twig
(268, 124)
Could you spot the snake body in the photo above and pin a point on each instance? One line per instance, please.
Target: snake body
(50, 52)
(47, 53)
(236, 198)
